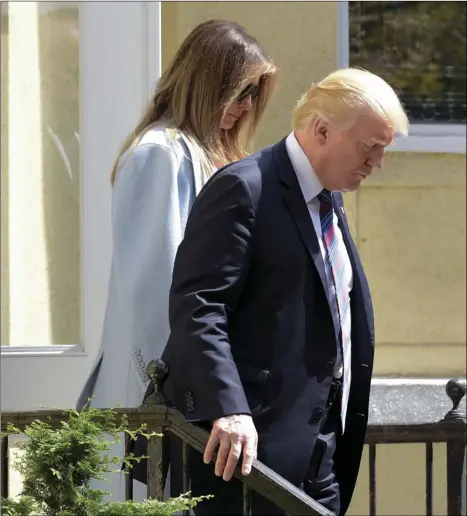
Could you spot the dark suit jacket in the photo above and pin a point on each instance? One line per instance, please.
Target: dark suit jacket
(251, 327)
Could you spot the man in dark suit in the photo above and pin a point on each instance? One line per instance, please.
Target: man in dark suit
(272, 337)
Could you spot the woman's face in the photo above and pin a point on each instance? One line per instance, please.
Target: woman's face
(241, 105)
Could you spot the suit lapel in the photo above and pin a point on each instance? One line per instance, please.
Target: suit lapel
(298, 208)
(359, 278)
(299, 211)
(345, 232)
(198, 173)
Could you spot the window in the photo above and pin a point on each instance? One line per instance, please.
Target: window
(60, 133)
(40, 173)
(420, 49)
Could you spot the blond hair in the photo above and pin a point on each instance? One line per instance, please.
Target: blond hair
(343, 93)
(212, 66)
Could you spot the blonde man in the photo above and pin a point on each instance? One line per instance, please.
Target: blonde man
(272, 334)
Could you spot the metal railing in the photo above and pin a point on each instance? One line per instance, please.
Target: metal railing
(450, 430)
(161, 419)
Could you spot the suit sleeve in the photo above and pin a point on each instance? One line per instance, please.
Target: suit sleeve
(209, 275)
(147, 229)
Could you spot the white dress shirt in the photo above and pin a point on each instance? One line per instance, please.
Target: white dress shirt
(311, 187)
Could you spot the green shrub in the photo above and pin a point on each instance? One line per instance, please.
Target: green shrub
(57, 466)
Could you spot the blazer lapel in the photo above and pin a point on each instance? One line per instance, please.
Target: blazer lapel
(349, 245)
(299, 210)
(357, 269)
(198, 173)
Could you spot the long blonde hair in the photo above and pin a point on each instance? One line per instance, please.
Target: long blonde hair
(212, 66)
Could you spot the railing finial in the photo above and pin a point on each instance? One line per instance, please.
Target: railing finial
(157, 371)
(455, 389)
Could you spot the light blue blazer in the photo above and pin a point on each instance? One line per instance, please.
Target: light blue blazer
(154, 190)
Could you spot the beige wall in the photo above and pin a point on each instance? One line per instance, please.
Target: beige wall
(408, 222)
(400, 481)
(302, 55)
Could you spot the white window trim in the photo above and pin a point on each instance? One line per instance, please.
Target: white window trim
(436, 138)
(41, 351)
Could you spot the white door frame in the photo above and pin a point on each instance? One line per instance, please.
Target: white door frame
(120, 62)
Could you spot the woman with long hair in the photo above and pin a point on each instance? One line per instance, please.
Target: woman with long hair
(207, 104)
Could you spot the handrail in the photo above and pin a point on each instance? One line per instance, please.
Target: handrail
(450, 430)
(158, 417)
(395, 433)
(196, 437)
(262, 479)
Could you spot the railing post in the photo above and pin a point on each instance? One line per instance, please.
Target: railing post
(455, 449)
(129, 449)
(4, 467)
(157, 371)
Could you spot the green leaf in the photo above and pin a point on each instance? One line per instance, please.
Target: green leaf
(58, 465)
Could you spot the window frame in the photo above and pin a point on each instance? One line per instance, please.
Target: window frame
(428, 138)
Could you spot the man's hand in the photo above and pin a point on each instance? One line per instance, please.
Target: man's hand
(235, 435)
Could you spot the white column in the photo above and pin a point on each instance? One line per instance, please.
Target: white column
(28, 278)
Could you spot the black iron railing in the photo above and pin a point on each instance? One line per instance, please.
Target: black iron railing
(451, 430)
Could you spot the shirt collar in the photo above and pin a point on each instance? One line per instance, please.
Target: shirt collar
(307, 178)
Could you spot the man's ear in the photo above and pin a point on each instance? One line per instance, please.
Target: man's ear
(321, 131)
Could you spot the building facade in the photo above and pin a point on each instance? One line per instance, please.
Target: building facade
(75, 78)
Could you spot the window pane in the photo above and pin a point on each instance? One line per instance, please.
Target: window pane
(419, 48)
(40, 173)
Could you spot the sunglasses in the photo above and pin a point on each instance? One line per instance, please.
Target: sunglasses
(252, 90)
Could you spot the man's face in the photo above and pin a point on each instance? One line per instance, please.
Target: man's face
(348, 156)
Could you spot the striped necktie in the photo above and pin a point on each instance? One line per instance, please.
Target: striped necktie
(336, 264)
